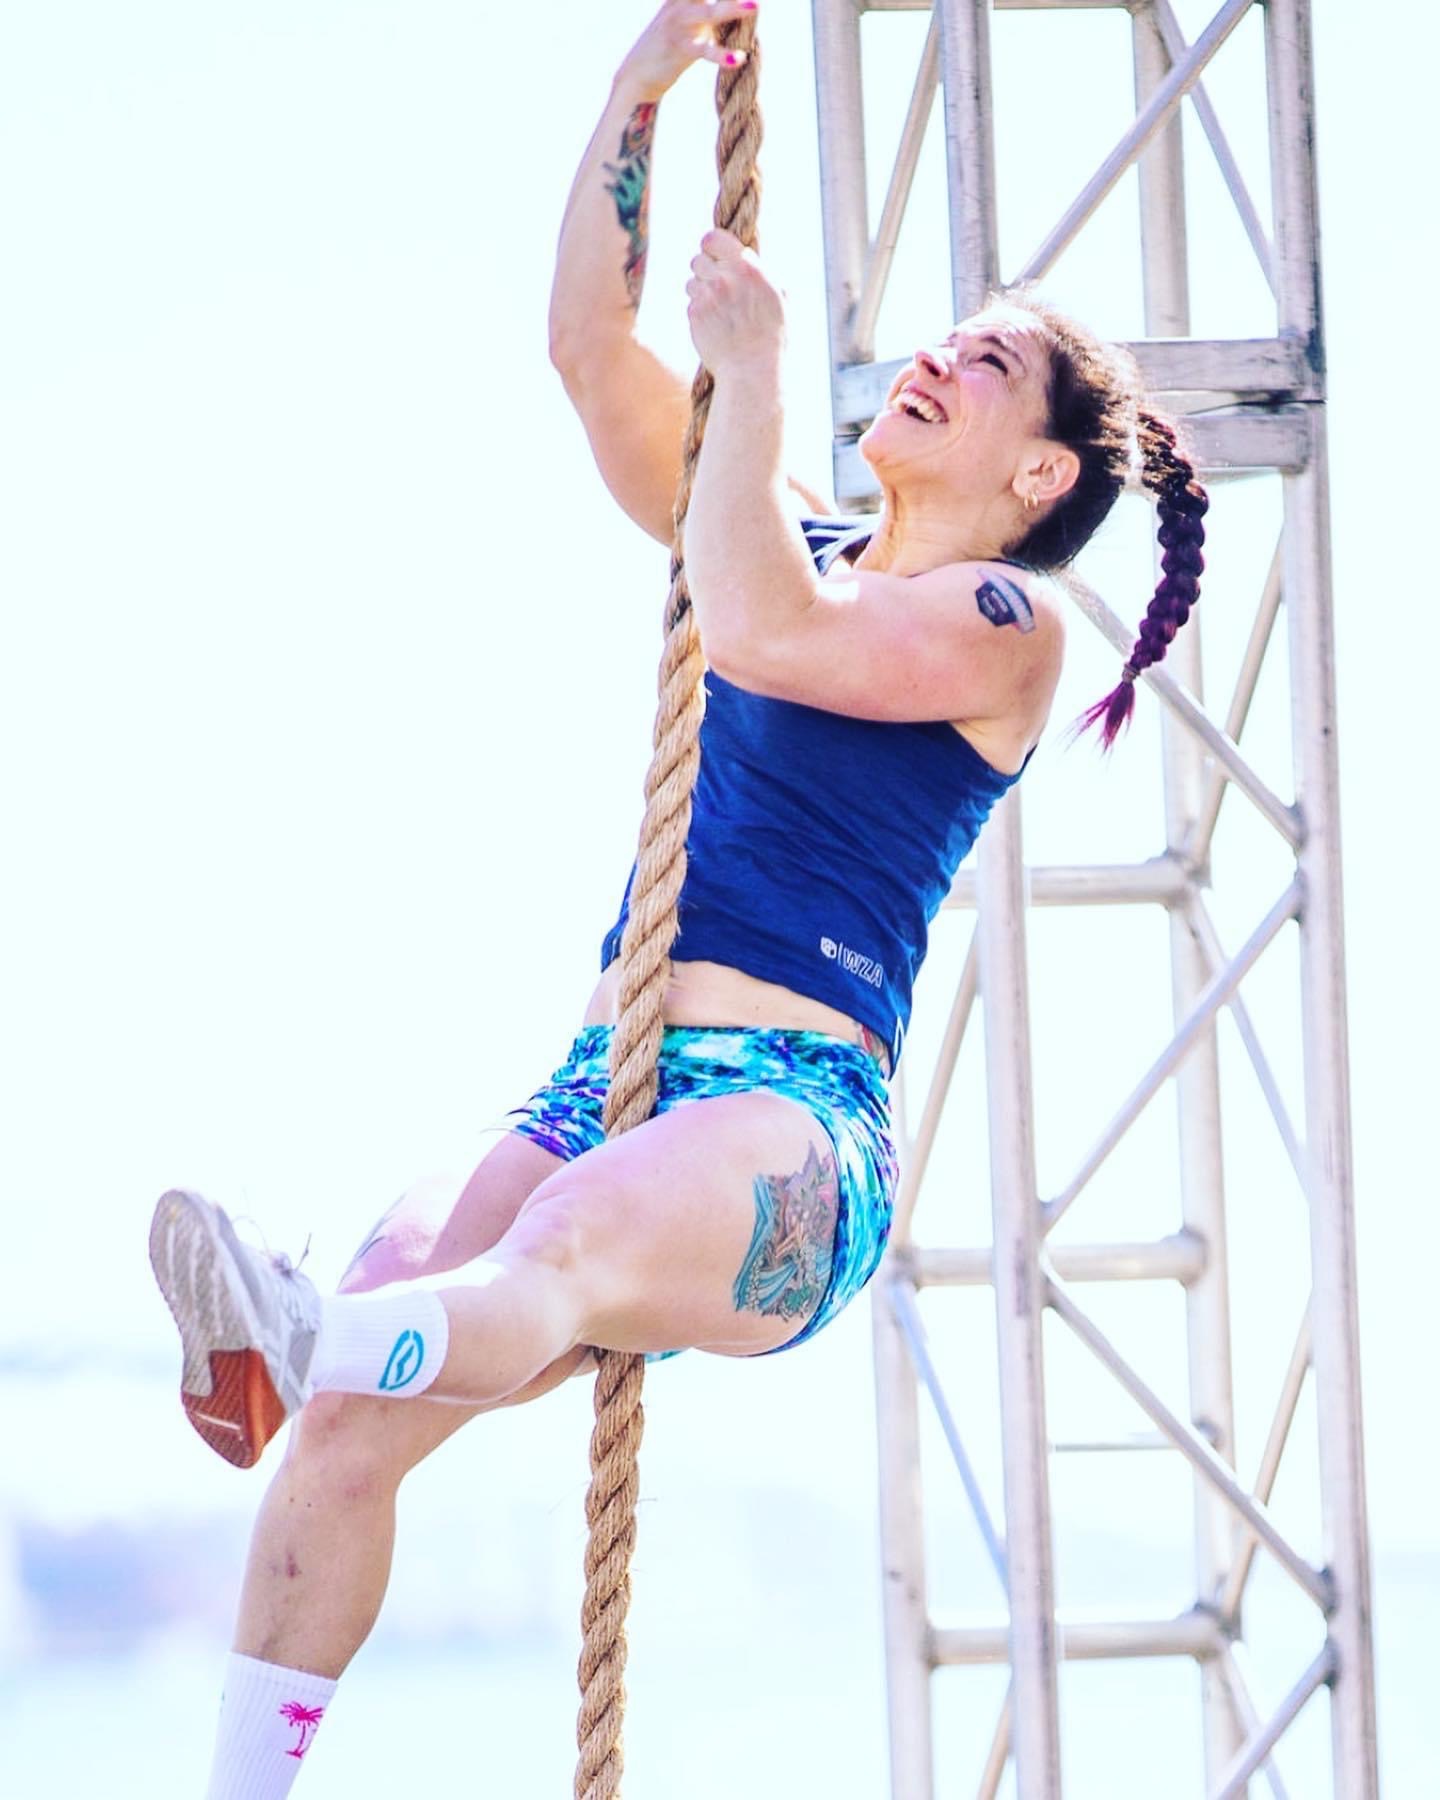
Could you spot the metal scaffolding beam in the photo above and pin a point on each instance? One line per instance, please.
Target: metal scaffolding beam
(1251, 405)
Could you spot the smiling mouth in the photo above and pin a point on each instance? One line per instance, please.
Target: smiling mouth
(916, 405)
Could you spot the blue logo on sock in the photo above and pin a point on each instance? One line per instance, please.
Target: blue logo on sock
(406, 1360)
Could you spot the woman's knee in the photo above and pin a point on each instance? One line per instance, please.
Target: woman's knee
(554, 1228)
(401, 1244)
(443, 1222)
(356, 1448)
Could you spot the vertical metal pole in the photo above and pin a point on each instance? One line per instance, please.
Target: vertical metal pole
(970, 141)
(902, 1531)
(1015, 1206)
(843, 207)
(1019, 1304)
(1197, 1083)
(1164, 249)
(902, 1549)
(1329, 1175)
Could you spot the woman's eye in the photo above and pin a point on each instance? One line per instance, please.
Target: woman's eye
(990, 357)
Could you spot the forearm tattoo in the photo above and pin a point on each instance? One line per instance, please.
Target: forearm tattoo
(787, 1267)
(1004, 601)
(631, 191)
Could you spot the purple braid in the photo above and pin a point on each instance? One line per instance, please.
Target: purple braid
(1182, 504)
(1094, 407)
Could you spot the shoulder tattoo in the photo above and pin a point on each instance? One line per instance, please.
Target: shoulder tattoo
(1003, 601)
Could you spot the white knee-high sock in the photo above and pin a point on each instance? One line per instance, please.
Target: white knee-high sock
(391, 1343)
(268, 1719)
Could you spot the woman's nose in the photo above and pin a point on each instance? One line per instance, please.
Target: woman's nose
(931, 364)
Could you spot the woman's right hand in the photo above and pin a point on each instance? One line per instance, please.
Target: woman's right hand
(681, 33)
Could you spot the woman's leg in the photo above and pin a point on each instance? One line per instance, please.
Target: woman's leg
(321, 1548)
(712, 1225)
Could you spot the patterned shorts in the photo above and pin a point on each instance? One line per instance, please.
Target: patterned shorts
(840, 1084)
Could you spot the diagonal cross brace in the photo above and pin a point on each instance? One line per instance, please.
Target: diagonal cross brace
(1175, 46)
(907, 1315)
(1197, 1021)
(1315, 1582)
(1152, 119)
(1285, 819)
(1258, 1746)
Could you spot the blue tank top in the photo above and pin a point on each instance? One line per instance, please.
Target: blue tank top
(822, 846)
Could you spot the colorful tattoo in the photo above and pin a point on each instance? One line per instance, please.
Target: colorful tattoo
(788, 1264)
(875, 1045)
(1003, 601)
(631, 190)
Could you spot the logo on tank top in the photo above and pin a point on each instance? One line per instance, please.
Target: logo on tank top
(852, 962)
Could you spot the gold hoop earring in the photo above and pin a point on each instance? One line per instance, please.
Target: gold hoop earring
(1032, 501)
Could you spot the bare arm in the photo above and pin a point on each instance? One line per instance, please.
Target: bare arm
(633, 407)
(972, 643)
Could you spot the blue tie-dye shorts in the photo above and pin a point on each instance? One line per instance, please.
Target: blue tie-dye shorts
(839, 1083)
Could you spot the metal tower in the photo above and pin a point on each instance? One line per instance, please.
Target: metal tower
(1254, 405)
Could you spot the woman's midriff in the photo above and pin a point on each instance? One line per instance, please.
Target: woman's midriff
(708, 993)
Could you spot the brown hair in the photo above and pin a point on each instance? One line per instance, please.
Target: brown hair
(1094, 408)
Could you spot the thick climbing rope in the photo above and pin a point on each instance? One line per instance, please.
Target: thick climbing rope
(644, 975)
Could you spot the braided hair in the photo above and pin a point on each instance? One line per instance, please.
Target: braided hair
(1094, 408)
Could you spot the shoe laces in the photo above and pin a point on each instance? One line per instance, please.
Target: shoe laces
(277, 1259)
(282, 1262)
(294, 1294)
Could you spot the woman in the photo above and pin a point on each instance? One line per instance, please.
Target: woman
(875, 686)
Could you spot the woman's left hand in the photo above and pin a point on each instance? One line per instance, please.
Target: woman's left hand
(737, 314)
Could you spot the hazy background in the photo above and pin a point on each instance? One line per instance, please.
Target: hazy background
(327, 683)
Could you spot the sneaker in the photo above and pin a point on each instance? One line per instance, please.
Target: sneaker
(248, 1323)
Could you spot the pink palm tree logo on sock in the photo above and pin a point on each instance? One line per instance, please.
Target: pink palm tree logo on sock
(304, 1719)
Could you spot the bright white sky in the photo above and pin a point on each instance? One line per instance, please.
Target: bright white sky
(328, 667)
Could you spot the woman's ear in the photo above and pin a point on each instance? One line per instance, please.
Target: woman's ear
(1048, 474)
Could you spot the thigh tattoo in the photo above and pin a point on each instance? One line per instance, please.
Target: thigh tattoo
(787, 1267)
(376, 1236)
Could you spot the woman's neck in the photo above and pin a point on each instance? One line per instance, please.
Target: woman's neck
(913, 539)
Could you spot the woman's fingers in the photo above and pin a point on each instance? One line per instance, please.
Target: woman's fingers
(720, 56)
(682, 33)
(707, 15)
(721, 245)
(720, 12)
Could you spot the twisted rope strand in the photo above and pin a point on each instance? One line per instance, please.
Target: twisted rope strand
(645, 947)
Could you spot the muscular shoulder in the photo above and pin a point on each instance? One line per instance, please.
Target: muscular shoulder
(968, 641)
(1020, 612)
(1002, 613)
(1008, 594)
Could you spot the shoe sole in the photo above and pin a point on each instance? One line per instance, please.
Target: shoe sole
(225, 1387)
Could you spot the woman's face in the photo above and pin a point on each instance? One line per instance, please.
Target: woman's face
(965, 411)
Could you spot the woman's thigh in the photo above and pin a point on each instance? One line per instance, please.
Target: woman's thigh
(438, 1224)
(712, 1226)
(444, 1221)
